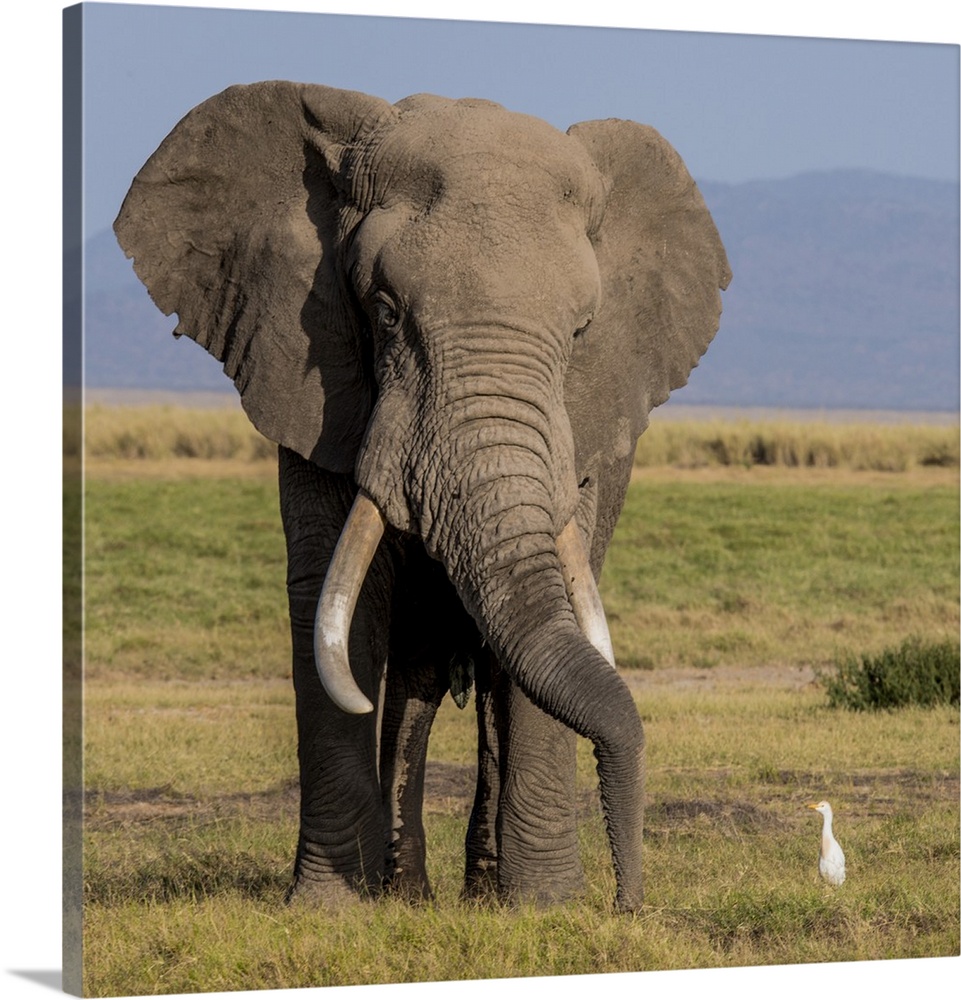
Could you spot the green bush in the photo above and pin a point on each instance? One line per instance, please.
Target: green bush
(916, 673)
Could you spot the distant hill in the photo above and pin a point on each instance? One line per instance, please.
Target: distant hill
(845, 295)
(128, 342)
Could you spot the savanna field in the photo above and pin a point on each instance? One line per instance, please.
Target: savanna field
(751, 559)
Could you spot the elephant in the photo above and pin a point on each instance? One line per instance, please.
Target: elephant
(454, 320)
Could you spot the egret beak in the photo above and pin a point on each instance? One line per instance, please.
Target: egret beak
(812, 805)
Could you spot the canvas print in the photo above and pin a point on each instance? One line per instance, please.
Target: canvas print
(511, 500)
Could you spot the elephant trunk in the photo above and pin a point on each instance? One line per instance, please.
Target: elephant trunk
(345, 577)
(516, 591)
(492, 496)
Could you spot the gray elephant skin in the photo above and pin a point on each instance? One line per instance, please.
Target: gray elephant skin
(454, 321)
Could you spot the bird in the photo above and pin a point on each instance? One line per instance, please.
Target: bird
(831, 862)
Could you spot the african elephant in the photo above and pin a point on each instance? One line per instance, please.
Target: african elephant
(454, 320)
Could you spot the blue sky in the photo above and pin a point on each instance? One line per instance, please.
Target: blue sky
(736, 106)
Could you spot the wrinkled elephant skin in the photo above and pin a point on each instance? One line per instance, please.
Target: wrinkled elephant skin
(454, 320)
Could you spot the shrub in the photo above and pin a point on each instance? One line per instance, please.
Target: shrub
(916, 673)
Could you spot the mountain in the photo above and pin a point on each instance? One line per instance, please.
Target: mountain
(128, 342)
(845, 295)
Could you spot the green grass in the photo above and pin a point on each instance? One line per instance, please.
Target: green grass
(190, 749)
(185, 577)
(185, 883)
(758, 571)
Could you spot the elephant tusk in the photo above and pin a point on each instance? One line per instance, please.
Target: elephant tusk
(582, 590)
(352, 557)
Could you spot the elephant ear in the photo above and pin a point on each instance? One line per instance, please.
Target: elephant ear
(233, 225)
(662, 266)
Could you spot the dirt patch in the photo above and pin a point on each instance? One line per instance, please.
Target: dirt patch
(782, 678)
(143, 806)
(449, 788)
(739, 817)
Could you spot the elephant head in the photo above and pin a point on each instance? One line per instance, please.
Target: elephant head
(467, 311)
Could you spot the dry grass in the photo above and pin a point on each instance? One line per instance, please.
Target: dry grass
(188, 847)
(695, 444)
(162, 433)
(168, 432)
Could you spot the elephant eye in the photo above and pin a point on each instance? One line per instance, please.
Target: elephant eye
(583, 327)
(386, 312)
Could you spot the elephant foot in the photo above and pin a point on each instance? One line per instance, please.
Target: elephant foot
(411, 888)
(629, 902)
(405, 873)
(527, 878)
(480, 880)
(329, 893)
(541, 896)
(542, 890)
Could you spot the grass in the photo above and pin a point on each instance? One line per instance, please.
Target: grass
(726, 586)
(760, 569)
(814, 445)
(700, 573)
(185, 578)
(160, 432)
(185, 883)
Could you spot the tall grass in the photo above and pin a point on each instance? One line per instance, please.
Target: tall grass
(162, 432)
(915, 673)
(890, 448)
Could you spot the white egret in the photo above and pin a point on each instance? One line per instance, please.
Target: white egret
(831, 863)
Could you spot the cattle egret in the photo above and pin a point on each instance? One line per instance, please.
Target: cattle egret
(831, 863)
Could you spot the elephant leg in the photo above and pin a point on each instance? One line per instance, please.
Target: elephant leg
(480, 873)
(341, 846)
(414, 691)
(538, 856)
(429, 632)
